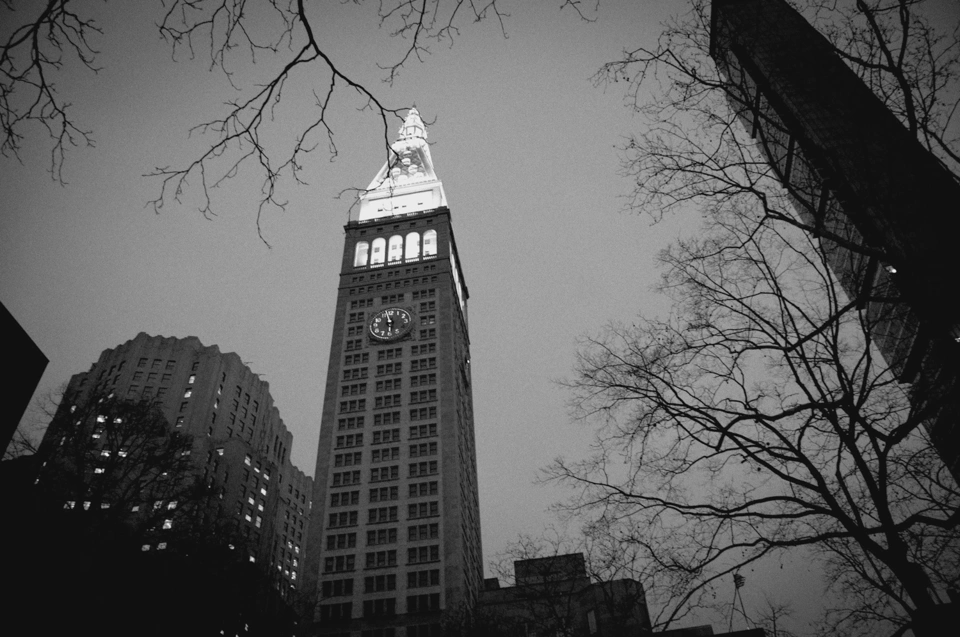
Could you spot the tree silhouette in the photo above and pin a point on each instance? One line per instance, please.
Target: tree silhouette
(279, 37)
(759, 417)
(756, 419)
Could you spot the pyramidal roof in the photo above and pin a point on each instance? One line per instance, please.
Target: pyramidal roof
(407, 183)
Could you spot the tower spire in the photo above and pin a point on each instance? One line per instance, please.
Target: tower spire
(407, 183)
(413, 125)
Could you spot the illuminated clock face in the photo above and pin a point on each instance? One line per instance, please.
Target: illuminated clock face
(390, 324)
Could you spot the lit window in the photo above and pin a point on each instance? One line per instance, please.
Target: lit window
(192, 378)
(135, 508)
(161, 546)
(188, 393)
(99, 470)
(379, 248)
(105, 453)
(122, 453)
(247, 460)
(145, 547)
(172, 505)
(429, 242)
(117, 421)
(361, 253)
(101, 419)
(413, 246)
(167, 524)
(69, 504)
(104, 505)
(395, 251)
(220, 451)
(253, 559)
(73, 408)
(86, 505)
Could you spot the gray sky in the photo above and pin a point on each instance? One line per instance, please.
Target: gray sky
(524, 145)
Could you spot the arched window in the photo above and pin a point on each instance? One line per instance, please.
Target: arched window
(360, 256)
(429, 243)
(413, 246)
(396, 248)
(379, 251)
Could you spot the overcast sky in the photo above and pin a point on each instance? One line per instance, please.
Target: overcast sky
(523, 141)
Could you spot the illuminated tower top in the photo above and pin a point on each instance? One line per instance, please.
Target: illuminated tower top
(407, 182)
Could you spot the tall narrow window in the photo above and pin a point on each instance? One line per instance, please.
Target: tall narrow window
(413, 246)
(379, 251)
(396, 248)
(361, 254)
(429, 242)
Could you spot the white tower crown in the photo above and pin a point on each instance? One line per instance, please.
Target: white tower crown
(407, 183)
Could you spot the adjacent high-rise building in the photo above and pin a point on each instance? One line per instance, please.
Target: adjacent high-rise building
(168, 435)
(884, 207)
(395, 533)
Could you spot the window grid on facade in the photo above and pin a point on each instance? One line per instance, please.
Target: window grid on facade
(380, 583)
(339, 563)
(343, 519)
(381, 559)
(341, 541)
(381, 515)
(423, 579)
(423, 510)
(384, 494)
(385, 436)
(337, 588)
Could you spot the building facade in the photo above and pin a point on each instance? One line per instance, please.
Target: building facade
(555, 596)
(395, 533)
(883, 207)
(218, 463)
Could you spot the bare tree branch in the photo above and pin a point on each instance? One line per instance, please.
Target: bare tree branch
(282, 34)
(30, 60)
(756, 420)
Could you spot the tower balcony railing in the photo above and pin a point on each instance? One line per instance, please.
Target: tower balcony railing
(399, 215)
(405, 261)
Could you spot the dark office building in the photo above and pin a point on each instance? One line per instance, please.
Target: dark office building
(19, 388)
(394, 543)
(885, 208)
(176, 453)
(554, 596)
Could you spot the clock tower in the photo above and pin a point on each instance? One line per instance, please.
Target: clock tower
(394, 545)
